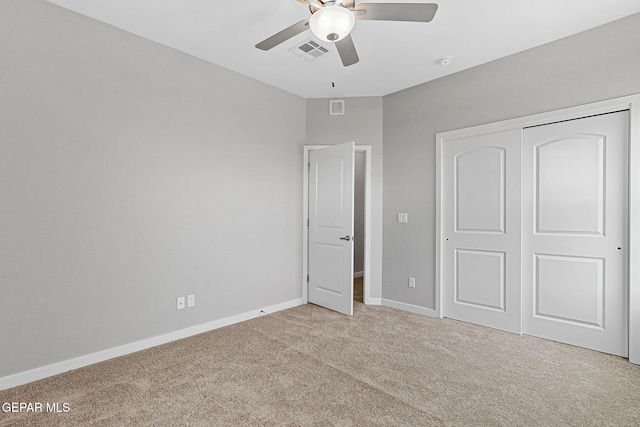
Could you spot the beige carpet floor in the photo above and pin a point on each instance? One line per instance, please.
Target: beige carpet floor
(311, 366)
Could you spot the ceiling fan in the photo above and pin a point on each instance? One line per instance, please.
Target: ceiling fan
(333, 21)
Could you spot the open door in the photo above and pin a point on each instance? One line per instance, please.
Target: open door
(331, 188)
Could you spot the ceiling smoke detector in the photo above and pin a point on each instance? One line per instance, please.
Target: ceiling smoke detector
(443, 61)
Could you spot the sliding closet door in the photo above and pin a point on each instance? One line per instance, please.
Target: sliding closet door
(574, 235)
(481, 215)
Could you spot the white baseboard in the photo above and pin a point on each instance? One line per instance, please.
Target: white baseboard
(373, 301)
(358, 274)
(100, 356)
(409, 307)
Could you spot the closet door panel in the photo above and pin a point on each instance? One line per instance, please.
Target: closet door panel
(482, 230)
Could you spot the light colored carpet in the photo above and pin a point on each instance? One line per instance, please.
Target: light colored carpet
(311, 366)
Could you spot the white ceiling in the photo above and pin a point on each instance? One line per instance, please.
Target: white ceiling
(393, 55)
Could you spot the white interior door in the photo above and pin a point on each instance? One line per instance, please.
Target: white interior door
(331, 194)
(481, 217)
(574, 281)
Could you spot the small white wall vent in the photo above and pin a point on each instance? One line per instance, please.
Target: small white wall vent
(309, 50)
(336, 107)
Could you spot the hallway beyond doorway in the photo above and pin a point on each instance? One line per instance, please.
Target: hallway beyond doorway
(358, 294)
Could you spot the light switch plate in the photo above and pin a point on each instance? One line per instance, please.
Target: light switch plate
(403, 218)
(191, 300)
(179, 303)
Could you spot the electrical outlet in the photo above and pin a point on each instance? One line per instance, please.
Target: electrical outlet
(412, 282)
(179, 303)
(191, 300)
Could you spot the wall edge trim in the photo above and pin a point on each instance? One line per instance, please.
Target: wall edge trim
(410, 307)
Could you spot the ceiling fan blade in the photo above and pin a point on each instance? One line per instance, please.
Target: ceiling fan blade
(415, 12)
(283, 35)
(317, 3)
(347, 51)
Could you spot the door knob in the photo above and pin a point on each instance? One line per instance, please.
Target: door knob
(347, 238)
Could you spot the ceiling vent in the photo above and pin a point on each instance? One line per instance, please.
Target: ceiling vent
(309, 50)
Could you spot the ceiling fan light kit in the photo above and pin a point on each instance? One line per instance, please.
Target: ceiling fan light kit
(333, 21)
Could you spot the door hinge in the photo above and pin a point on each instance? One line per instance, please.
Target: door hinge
(308, 167)
(307, 278)
(307, 223)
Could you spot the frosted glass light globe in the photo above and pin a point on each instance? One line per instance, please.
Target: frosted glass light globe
(332, 23)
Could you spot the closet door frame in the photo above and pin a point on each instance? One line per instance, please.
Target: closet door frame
(631, 103)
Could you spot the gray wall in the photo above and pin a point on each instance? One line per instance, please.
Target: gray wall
(131, 174)
(595, 65)
(361, 123)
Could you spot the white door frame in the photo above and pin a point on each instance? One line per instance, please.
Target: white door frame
(367, 221)
(631, 103)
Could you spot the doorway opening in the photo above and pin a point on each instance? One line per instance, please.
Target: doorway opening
(358, 226)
